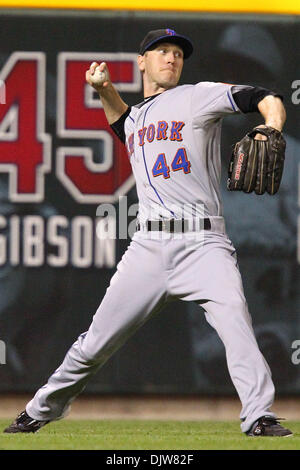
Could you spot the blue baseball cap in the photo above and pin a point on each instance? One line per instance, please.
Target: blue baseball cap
(166, 35)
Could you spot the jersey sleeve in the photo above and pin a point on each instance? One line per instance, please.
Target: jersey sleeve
(247, 98)
(118, 126)
(212, 101)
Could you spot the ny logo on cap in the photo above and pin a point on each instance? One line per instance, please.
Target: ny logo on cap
(170, 32)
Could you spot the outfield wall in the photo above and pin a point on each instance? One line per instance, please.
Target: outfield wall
(59, 160)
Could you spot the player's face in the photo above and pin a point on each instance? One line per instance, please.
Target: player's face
(162, 66)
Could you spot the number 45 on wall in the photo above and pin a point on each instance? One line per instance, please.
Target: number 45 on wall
(26, 152)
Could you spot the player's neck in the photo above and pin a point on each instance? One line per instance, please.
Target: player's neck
(150, 90)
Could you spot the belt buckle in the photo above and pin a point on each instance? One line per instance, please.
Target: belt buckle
(165, 225)
(168, 225)
(174, 225)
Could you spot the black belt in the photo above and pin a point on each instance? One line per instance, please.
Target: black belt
(174, 225)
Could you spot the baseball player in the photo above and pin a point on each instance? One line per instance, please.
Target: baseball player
(180, 249)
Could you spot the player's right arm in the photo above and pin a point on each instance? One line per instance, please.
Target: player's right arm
(113, 105)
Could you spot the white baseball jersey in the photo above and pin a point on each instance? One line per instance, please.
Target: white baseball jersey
(173, 142)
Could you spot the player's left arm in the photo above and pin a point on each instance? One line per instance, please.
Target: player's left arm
(273, 111)
(268, 103)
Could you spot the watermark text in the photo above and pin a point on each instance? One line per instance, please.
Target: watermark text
(296, 94)
(296, 354)
(2, 352)
(156, 222)
(2, 92)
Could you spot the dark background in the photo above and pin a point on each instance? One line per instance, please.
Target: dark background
(176, 351)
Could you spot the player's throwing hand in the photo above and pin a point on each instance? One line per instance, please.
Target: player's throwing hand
(98, 76)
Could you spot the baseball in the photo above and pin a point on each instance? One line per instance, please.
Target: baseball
(98, 77)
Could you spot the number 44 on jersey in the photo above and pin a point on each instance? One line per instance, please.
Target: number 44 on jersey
(180, 162)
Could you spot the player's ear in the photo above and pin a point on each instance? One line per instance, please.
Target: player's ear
(141, 62)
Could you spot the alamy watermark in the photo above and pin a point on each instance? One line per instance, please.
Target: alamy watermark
(2, 92)
(122, 221)
(296, 354)
(296, 94)
(2, 352)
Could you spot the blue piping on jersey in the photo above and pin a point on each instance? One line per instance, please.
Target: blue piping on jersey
(147, 168)
(232, 105)
(131, 119)
(233, 253)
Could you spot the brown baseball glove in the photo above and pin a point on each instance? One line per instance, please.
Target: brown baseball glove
(257, 165)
